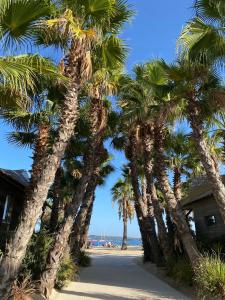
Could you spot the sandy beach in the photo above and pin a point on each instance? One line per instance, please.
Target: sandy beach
(132, 250)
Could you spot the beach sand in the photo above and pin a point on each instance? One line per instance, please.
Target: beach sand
(132, 250)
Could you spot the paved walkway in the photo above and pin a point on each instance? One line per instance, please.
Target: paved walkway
(118, 278)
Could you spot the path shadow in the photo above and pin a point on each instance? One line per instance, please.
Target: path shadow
(120, 272)
(105, 296)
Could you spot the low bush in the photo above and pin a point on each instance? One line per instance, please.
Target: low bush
(22, 289)
(210, 276)
(34, 261)
(66, 272)
(84, 260)
(181, 270)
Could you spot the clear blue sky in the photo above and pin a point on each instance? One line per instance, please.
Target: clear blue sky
(151, 34)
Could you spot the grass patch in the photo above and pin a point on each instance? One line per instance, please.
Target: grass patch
(66, 272)
(180, 270)
(210, 276)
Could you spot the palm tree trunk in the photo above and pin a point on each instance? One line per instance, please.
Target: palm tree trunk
(148, 143)
(39, 186)
(124, 241)
(56, 254)
(173, 206)
(208, 161)
(177, 185)
(84, 236)
(54, 218)
(146, 224)
(95, 155)
(78, 226)
(91, 168)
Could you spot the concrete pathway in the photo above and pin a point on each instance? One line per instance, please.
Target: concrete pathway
(117, 278)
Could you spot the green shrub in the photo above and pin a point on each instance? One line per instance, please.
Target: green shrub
(66, 272)
(181, 270)
(34, 261)
(210, 276)
(84, 260)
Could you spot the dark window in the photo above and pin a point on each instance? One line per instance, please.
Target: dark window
(5, 209)
(210, 220)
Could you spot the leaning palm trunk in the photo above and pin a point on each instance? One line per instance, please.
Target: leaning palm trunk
(146, 223)
(39, 187)
(79, 223)
(84, 236)
(173, 206)
(148, 143)
(208, 161)
(95, 155)
(59, 247)
(91, 168)
(124, 241)
(54, 218)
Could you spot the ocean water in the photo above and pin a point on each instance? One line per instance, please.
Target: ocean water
(97, 241)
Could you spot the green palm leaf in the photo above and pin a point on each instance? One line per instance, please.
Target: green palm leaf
(19, 20)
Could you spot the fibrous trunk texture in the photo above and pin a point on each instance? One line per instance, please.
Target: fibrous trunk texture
(148, 145)
(174, 207)
(84, 236)
(78, 226)
(54, 218)
(93, 158)
(75, 65)
(124, 241)
(207, 159)
(146, 223)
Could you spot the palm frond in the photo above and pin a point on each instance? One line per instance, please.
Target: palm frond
(21, 73)
(19, 20)
(22, 139)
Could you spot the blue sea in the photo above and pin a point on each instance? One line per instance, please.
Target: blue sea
(97, 241)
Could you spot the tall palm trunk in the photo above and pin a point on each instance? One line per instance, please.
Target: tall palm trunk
(54, 218)
(146, 223)
(59, 247)
(171, 230)
(207, 159)
(79, 223)
(40, 184)
(148, 143)
(95, 155)
(177, 185)
(173, 206)
(84, 236)
(125, 217)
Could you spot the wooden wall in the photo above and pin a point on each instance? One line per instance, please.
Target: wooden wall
(202, 209)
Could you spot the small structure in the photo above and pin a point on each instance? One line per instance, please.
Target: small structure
(12, 193)
(209, 225)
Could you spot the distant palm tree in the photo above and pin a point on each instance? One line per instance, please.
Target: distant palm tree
(122, 194)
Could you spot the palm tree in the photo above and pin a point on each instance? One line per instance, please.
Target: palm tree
(136, 103)
(80, 24)
(152, 93)
(78, 237)
(200, 89)
(122, 194)
(95, 154)
(203, 38)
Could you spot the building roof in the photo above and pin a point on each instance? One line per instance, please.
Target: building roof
(19, 176)
(200, 188)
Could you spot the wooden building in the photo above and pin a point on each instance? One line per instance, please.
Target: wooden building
(12, 192)
(209, 225)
